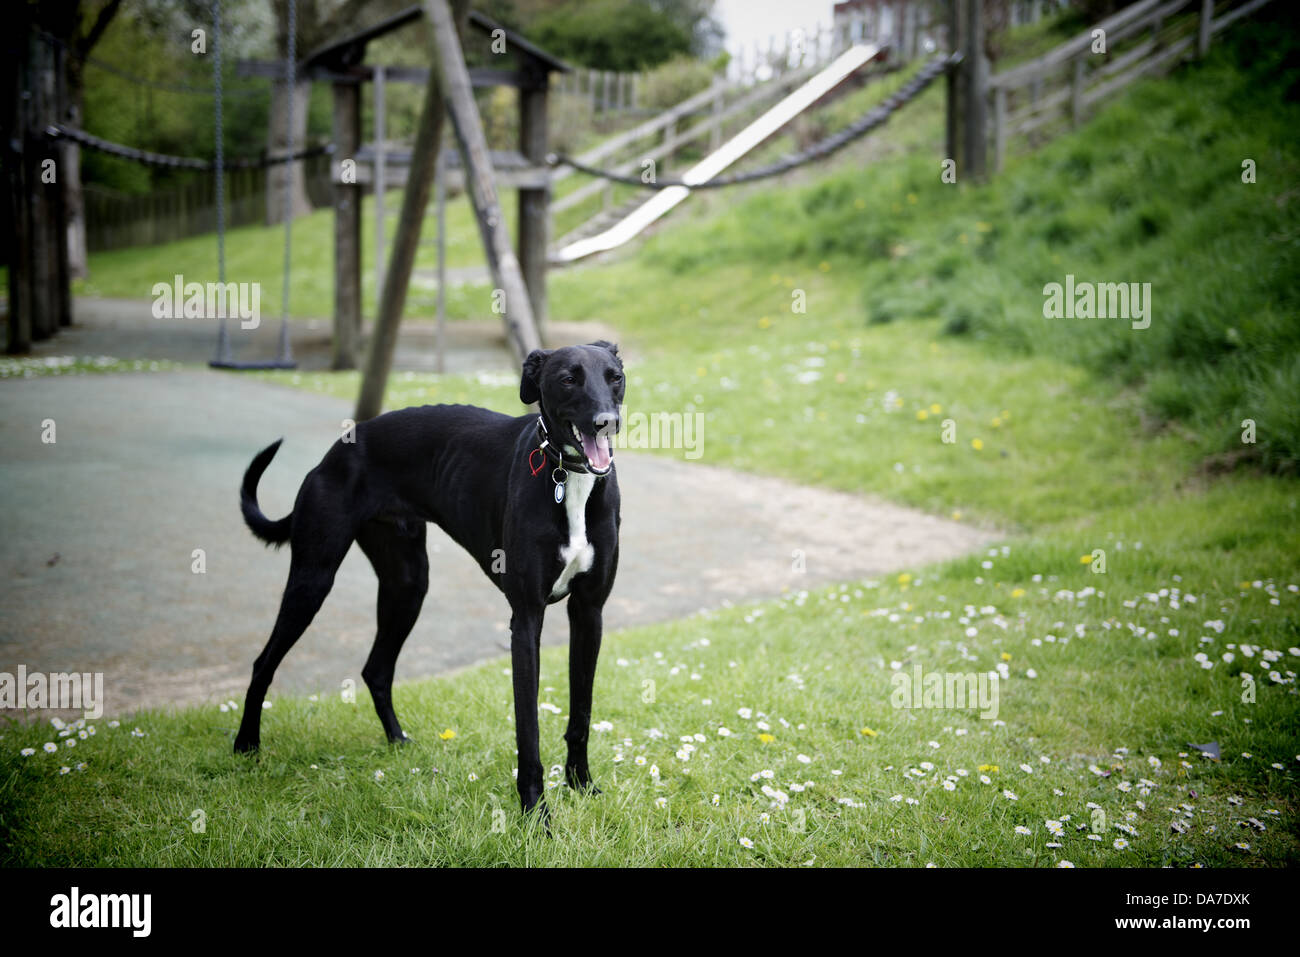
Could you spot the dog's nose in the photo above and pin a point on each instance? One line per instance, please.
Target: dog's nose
(607, 423)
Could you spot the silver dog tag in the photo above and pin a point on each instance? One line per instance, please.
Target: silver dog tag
(559, 493)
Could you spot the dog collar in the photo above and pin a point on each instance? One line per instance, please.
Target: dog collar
(556, 455)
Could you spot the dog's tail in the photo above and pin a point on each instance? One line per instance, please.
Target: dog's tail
(273, 533)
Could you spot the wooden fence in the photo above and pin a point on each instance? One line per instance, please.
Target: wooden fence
(757, 79)
(116, 220)
(1057, 90)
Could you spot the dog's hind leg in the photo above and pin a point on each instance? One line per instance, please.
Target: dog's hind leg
(399, 557)
(311, 576)
(525, 664)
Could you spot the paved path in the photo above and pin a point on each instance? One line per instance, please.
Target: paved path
(98, 529)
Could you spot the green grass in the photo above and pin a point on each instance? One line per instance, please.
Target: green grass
(816, 669)
(1065, 452)
(1169, 208)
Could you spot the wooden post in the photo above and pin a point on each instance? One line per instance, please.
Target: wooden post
(1203, 35)
(956, 86)
(444, 34)
(59, 194)
(899, 38)
(534, 204)
(521, 329)
(440, 198)
(1076, 94)
(999, 127)
(380, 177)
(44, 324)
(18, 236)
(347, 228)
(715, 134)
(975, 65)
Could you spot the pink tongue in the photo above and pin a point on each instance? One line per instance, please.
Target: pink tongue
(597, 450)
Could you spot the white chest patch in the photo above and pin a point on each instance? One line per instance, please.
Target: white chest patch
(578, 554)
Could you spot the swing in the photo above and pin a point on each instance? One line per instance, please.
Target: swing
(223, 358)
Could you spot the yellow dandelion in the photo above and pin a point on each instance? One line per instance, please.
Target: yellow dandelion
(1085, 559)
(1006, 656)
(868, 732)
(977, 444)
(764, 322)
(989, 768)
(935, 408)
(766, 738)
(904, 578)
(1017, 593)
(956, 516)
(922, 415)
(701, 371)
(996, 422)
(447, 735)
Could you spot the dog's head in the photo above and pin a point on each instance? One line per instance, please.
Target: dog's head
(580, 390)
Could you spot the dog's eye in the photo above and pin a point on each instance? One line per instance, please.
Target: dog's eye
(568, 380)
(615, 377)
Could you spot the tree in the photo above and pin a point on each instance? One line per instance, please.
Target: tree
(77, 26)
(318, 22)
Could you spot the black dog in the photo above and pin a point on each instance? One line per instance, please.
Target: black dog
(533, 499)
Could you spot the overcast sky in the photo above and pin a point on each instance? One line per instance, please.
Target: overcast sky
(750, 20)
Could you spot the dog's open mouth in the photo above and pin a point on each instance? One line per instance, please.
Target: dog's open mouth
(596, 448)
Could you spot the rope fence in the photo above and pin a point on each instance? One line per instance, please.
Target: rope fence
(81, 137)
(871, 120)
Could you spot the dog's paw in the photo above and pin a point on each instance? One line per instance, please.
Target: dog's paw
(246, 745)
(401, 739)
(579, 779)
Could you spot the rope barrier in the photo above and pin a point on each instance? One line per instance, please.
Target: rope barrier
(89, 141)
(837, 141)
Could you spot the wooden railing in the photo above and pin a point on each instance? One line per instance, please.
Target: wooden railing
(1060, 87)
(116, 220)
(908, 30)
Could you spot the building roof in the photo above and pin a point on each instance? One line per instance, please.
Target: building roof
(351, 50)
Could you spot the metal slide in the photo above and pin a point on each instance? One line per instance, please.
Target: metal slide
(839, 70)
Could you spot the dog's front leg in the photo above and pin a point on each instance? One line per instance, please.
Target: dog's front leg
(525, 659)
(584, 645)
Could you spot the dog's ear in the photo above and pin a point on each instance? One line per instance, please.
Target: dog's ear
(612, 347)
(530, 389)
